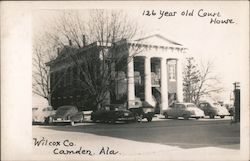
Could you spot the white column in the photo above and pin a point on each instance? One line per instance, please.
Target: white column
(164, 84)
(179, 81)
(131, 81)
(147, 74)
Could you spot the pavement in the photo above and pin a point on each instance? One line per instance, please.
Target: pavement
(157, 117)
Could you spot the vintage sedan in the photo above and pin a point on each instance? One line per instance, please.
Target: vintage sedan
(112, 114)
(143, 109)
(40, 115)
(213, 109)
(185, 110)
(67, 114)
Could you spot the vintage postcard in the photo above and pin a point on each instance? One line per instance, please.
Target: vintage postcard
(127, 80)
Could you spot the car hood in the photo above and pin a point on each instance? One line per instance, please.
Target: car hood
(62, 113)
(193, 109)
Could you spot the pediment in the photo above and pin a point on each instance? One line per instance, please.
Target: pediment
(157, 40)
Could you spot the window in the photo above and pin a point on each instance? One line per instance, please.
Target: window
(172, 70)
(70, 76)
(191, 105)
(202, 105)
(177, 106)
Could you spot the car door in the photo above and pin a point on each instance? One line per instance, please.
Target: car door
(209, 109)
(181, 110)
(170, 111)
(176, 110)
(203, 106)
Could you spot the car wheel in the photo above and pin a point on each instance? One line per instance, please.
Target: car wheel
(149, 119)
(166, 116)
(197, 118)
(211, 116)
(222, 117)
(48, 121)
(72, 123)
(44, 121)
(139, 118)
(185, 117)
(112, 121)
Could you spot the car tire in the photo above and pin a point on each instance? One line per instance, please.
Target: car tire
(185, 117)
(197, 118)
(149, 119)
(139, 118)
(211, 116)
(72, 123)
(112, 121)
(166, 116)
(48, 121)
(222, 117)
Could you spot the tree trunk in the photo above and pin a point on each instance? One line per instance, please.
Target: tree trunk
(49, 99)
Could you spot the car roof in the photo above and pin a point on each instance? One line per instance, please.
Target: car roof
(185, 103)
(67, 107)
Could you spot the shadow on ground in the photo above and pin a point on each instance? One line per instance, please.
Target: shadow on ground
(179, 133)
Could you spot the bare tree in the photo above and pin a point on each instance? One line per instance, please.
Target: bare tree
(199, 81)
(41, 73)
(97, 68)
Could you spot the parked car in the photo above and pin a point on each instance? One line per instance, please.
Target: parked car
(112, 114)
(213, 109)
(143, 110)
(67, 114)
(185, 110)
(40, 115)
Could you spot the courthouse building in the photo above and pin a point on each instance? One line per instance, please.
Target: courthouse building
(154, 74)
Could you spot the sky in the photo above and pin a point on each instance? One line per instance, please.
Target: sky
(188, 24)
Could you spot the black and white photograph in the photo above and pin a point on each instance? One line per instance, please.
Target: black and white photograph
(127, 80)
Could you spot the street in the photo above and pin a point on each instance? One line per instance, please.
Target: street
(162, 136)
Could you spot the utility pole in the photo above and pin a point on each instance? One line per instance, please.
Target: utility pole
(237, 101)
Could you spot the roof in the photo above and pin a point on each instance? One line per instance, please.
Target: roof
(67, 50)
(185, 103)
(159, 40)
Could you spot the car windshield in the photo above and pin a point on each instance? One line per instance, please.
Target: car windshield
(217, 105)
(65, 109)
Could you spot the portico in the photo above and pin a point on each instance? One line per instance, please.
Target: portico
(158, 48)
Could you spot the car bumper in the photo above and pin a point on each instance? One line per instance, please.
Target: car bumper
(223, 114)
(60, 120)
(197, 116)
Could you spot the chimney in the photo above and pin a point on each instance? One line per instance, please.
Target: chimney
(70, 43)
(84, 40)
